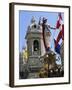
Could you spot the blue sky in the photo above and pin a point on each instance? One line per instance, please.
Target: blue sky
(25, 20)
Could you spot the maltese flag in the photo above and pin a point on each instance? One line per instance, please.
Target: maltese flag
(60, 26)
(59, 21)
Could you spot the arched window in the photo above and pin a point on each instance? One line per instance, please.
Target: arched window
(36, 45)
(34, 26)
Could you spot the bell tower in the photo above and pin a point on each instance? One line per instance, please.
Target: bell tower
(35, 46)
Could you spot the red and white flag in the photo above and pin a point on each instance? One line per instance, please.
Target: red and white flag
(60, 26)
(59, 21)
